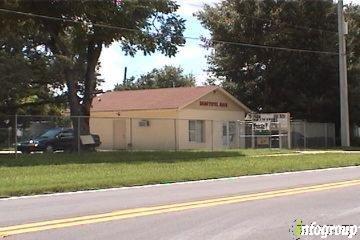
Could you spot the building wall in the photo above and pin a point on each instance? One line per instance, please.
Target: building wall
(159, 135)
(168, 128)
(215, 116)
(215, 97)
(104, 127)
(153, 113)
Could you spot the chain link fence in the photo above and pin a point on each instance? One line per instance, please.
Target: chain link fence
(5, 139)
(312, 135)
(182, 134)
(78, 134)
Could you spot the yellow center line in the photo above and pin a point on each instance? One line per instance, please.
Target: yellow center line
(146, 211)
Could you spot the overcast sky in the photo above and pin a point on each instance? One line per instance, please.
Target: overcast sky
(191, 57)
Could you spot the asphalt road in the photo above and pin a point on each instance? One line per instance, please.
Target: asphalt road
(236, 213)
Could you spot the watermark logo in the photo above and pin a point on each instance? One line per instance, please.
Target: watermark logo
(298, 229)
(295, 229)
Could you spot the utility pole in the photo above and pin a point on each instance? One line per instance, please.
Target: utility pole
(344, 101)
(125, 75)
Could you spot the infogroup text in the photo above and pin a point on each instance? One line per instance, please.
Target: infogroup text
(299, 229)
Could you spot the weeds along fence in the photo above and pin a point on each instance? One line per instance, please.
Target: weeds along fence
(77, 134)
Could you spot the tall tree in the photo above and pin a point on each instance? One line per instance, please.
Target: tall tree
(26, 73)
(272, 80)
(25, 86)
(353, 49)
(166, 77)
(76, 32)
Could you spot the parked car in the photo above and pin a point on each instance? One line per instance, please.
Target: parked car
(56, 139)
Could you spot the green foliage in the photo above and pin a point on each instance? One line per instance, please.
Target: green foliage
(26, 85)
(44, 173)
(166, 77)
(305, 84)
(75, 32)
(27, 73)
(127, 84)
(353, 48)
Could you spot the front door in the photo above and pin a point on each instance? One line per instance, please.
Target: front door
(229, 134)
(120, 134)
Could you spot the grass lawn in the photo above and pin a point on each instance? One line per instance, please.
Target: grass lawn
(45, 173)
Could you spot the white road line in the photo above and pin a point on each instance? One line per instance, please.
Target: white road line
(176, 183)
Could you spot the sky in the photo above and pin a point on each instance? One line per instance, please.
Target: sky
(191, 57)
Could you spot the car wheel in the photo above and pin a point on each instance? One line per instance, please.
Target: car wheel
(25, 152)
(49, 149)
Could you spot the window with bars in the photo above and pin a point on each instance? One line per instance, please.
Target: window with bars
(196, 131)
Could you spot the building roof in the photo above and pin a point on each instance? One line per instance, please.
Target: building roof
(150, 99)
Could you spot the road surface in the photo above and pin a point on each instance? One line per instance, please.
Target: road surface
(259, 207)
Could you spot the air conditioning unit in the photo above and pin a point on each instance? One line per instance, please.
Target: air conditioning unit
(144, 123)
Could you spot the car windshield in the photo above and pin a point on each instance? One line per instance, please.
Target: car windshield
(50, 133)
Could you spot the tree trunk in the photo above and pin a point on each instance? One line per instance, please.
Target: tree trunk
(93, 54)
(80, 107)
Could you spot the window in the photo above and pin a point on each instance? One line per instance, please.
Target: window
(51, 133)
(144, 123)
(196, 131)
(66, 135)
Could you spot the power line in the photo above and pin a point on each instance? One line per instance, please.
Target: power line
(186, 37)
(66, 20)
(275, 48)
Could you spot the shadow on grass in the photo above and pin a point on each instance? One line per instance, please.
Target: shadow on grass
(111, 157)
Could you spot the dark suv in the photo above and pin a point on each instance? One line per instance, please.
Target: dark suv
(56, 139)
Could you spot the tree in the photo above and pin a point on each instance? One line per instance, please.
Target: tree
(25, 87)
(166, 77)
(26, 73)
(76, 31)
(353, 49)
(127, 84)
(272, 80)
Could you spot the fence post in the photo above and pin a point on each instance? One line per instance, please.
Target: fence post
(238, 134)
(326, 134)
(227, 135)
(252, 135)
(305, 135)
(16, 141)
(175, 135)
(212, 135)
(280, 138)
(114, 133)
(131, 135)
(9, 137)
(289, 132)
(78, 134)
